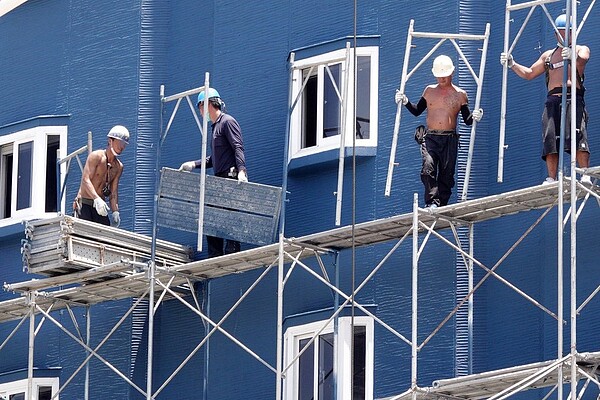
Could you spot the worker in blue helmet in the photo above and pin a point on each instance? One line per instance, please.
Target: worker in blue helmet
(552, 63)
(100, 181)
(227, 157)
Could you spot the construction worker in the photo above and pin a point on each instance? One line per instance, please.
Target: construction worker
(100, 180)
(227, 158)
(439, 141)
(551, 63)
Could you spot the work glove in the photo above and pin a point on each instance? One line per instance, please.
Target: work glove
(507, 59)
(242, 177)
(187, 166)
(101, 207)
(116, 219)
(400, 98)
(477, 115)
(566, 53)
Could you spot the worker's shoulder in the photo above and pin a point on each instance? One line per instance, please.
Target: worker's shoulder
(96, 155)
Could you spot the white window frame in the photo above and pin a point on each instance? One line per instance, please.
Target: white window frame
(342, 350)
(20, 386)
(319, 62)
(39, 137)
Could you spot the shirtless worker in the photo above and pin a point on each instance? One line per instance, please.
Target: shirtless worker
(439, 141)
(100, 179)
(551, 63)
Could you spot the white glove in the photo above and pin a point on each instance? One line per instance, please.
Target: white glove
(188, 166)
(566, 53)
(400, 97)
(116, 219)
(242, 177)
(507, 59)
(101, 207)
(477, 115)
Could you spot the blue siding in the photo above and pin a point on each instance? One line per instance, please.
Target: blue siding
(102, 64)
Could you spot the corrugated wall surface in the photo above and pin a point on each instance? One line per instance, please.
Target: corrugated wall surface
(103, 64)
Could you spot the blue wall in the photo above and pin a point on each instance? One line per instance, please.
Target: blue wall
(102, 64)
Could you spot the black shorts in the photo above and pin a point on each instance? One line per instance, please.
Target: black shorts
(551, 126)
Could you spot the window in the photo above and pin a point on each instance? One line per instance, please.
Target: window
(317, 118)
(23, 192)
(311, 375)
(43, 389)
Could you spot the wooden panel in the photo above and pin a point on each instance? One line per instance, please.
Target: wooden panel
(247, 212)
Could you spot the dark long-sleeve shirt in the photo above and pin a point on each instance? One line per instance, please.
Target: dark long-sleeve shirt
(227, 146)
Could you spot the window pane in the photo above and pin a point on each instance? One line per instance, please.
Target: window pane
(360, 354)
(17, 396)
(363, 97)
(309, 111)
(326, 367)
(45, 393)
(6, 179)
(331, 102)
(51, 189)
(24, 175)
(306, 374)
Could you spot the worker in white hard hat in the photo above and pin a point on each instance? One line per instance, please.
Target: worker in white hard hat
(439, 140)
(100, 181)
(551, 63)
(227, 157)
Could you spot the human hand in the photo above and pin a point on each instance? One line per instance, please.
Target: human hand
(400, 97)
(101, 207)
(187, 166)
(242, 177)
(477, 115)
(507, 59)
(116, 219)
(77, 204)
(566, 53)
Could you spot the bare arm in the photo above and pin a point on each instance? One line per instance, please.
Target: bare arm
(114, 189)
(536, 69)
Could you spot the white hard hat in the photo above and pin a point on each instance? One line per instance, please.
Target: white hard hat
(442, 66)
(119, 132)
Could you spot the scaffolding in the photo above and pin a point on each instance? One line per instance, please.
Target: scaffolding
(130, 279)
(125, 276)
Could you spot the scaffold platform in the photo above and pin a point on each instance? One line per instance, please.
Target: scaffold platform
(127, 280)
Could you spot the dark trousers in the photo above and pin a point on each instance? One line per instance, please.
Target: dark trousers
(439, 154)
(215, 246)
(89, 213)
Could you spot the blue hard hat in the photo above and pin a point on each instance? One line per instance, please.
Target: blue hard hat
(212, 93)
(561, 21)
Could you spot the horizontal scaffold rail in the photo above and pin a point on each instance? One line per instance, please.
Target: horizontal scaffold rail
(504, 381)
(124, 281)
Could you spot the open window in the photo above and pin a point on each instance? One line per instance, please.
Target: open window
(28, 175)
(312, 353)
(43, 389)
(317, 119)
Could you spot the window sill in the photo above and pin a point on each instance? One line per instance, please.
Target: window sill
(328, 157)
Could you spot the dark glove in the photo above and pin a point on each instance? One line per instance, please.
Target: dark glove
(420, 133)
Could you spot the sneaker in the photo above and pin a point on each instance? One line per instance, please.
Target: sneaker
(548, 181)
(431, 207)
(586, 180)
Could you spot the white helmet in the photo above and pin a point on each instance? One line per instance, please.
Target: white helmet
(442, 66)
(119, 132)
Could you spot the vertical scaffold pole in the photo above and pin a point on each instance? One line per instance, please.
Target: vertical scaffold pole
(572, 23)
(30, 359)
(88, 333)
(479, 81)
(342, 154)
(414, 300)
(203, 165)
(278, 384)
(501, 145)
(392, 162)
